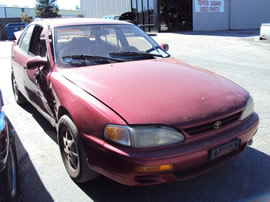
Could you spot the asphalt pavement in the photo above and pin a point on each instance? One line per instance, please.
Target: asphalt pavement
(232, 54)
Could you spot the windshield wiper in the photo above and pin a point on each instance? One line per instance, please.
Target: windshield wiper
(139, 54)
(92, 57)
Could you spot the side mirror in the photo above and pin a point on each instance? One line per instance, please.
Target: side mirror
(165, 46)
(36, 62)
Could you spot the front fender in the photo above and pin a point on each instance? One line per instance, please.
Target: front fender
(88, 113)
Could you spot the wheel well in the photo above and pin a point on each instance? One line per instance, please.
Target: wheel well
(61, 112)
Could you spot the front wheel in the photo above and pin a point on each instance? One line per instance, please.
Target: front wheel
(72, 152)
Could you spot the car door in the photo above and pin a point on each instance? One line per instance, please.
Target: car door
(38, 78)
(35, 79)
(19, 58)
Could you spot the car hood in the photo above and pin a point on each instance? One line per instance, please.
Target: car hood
(156, 91)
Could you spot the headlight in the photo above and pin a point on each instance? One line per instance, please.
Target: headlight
(142, 136)
(249, 109)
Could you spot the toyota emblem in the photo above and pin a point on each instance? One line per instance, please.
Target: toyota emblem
(217, 124)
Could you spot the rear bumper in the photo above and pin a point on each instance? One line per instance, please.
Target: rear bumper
(189, 158)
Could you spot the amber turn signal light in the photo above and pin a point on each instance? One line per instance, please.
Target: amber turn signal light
(148, 169)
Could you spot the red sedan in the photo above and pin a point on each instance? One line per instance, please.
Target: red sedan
(123, 107)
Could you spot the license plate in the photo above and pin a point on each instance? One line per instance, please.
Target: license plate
(224, 149)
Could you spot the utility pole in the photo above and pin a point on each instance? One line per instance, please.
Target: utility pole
(230, 8)
(5, 12)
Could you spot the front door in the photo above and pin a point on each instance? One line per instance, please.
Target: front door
(38, 78)
(35, 80)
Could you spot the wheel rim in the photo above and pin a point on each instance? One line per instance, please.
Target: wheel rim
(70, 151)
(15, 88)
(11, 166)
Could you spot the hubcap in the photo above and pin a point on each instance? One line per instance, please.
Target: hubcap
(70, 151)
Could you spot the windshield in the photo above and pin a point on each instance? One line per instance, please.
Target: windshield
(102, 44)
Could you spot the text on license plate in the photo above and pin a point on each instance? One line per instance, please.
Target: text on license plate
(224, 149)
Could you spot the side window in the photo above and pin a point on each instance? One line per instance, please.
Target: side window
(38, 43)
(25, 41)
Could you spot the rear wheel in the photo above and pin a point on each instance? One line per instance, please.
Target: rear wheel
(72, 151)
(19, 98)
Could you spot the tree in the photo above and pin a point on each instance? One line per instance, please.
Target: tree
(26, 18)
(47, 9)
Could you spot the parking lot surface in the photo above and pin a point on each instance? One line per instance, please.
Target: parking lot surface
(234, 55)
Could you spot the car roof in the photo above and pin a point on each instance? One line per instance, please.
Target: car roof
(62, 22)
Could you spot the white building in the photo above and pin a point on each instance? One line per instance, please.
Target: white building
(175, 15)
(16, 12)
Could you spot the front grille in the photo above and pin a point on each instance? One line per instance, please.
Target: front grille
(210, 126)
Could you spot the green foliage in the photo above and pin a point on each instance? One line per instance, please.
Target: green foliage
(47, 9)
(26, 18)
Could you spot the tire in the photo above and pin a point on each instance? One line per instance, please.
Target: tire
(11, 177)
(19, 98)
(72, 151)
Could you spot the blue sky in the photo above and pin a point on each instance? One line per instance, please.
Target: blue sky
(63, 4)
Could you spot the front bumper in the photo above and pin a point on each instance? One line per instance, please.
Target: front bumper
(189, 159)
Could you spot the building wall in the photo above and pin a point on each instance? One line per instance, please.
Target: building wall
(13, 12)
(249, 14)
(2, 12)
(69, 13)
(13, 15)
(100, 8)
(211, 21)
(238, 14)
(16, 12)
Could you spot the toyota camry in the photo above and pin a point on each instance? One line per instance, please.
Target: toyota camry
(124, 107)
